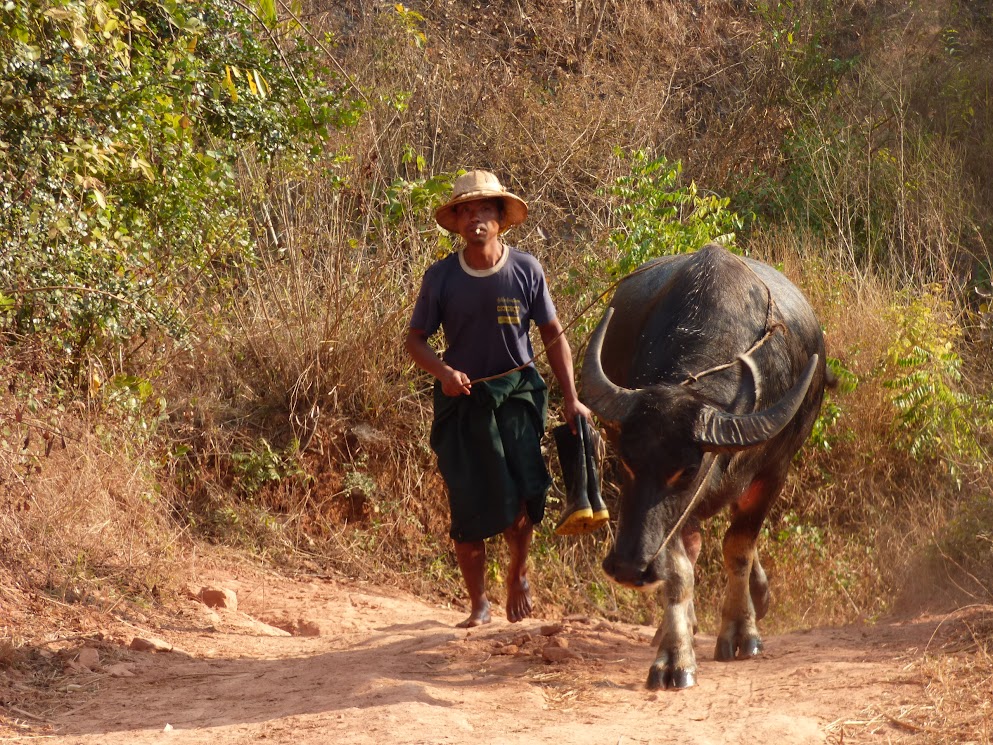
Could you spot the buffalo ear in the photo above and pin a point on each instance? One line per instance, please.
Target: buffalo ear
(719, 431)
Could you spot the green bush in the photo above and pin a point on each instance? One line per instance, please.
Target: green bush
(122, 127)
(823, 434)
(659, 215)
(936, 417)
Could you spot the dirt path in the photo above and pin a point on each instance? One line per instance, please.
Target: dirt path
(388, 668)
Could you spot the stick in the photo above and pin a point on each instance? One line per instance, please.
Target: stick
(27, 714)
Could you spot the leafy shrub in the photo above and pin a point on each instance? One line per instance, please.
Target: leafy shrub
(935, 417)
(411, 202)
(122, 126)
(821, 437)
(660, 216)
(263, 466)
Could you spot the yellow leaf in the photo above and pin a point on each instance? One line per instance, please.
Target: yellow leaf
(267, 9)
(98, 195)
(251, 85)
(263, 85)
(79, 39)
(229, 84)
(140, 164)
(60, 14)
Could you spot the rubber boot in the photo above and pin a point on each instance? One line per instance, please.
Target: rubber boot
(577, 512)
(591, 443)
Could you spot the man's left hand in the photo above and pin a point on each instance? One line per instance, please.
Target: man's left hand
(575, 408)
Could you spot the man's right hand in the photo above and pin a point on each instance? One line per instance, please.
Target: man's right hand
(455, 382)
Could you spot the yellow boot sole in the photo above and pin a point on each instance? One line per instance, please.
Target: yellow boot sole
(581, 522)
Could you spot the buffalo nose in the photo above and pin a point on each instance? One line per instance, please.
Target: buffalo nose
(623, 572)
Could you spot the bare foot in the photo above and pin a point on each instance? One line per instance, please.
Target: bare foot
(478, 617)
(519, 604)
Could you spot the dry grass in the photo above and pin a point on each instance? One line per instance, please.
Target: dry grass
(86, 542)
(77, 517)
(955, 674)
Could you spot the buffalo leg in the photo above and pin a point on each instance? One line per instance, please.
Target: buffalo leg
(692, 542)
(747, 598)
(758, 587)
(675, 665)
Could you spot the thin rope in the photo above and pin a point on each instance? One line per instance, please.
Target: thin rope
(689, 508)
(744, 357)
(568, 326)
(770, 329)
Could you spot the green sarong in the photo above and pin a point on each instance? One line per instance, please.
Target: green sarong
(489, 453)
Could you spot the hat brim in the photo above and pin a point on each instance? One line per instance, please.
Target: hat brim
(515, 209)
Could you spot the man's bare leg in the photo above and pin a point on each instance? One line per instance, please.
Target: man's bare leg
(472, 562)
(518, 535)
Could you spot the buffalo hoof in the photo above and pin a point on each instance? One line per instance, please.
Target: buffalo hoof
(661, 677)
(751, 647)
(724, 651)
(740, 649)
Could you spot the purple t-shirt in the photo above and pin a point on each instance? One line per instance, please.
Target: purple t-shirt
(486, 315)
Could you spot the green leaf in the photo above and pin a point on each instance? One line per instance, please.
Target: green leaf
(267, 11)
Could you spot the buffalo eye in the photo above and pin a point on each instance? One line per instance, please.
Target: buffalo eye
(683, 477)
(691, 459)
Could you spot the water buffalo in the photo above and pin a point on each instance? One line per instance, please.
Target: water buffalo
(708, 373)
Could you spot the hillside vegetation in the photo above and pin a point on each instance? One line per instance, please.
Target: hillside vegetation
(215, 216)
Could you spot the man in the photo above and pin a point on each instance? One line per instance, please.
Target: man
(489, 401)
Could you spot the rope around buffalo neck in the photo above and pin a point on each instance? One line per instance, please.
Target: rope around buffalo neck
(746, 358)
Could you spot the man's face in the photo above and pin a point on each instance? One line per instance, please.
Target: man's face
(479, 220)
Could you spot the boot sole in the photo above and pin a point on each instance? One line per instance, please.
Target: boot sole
(581, 522)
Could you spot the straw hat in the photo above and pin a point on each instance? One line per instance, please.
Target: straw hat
(481, 185)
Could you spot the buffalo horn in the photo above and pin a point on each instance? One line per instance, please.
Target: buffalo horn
(718, 430)
(608, 401)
